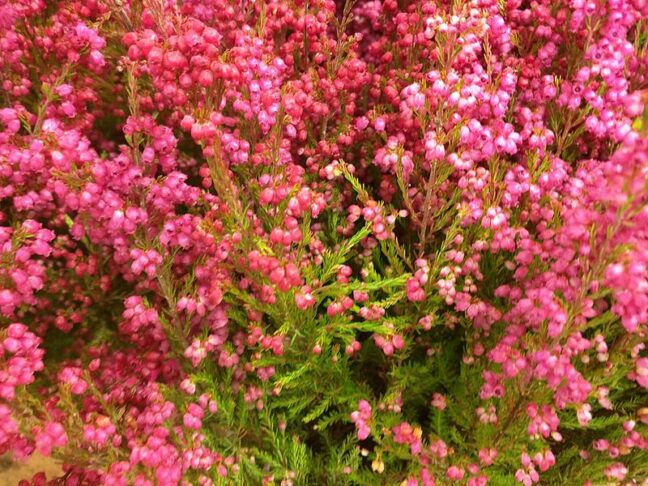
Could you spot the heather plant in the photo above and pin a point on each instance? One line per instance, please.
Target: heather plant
(314, 242)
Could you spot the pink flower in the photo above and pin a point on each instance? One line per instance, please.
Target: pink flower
(51, 436)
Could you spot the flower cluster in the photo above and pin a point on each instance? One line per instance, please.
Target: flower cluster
(325, 242)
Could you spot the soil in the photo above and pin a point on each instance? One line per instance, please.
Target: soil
(12, 472)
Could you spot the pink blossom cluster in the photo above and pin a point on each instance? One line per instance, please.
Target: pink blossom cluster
(320, 242)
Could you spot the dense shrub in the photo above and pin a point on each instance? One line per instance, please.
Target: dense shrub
(312, 242)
